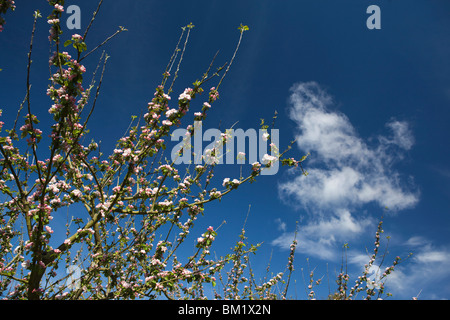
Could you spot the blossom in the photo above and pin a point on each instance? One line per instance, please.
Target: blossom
(255, 166)
(53, 21)
(165, 203)
(171, 112)
(127, 152)
(187, 272)
(77, 37)
(53, 188)
(155, 262)
(59, 7)
(49, 230)
(28, 245)
(215, 194)
(213, 94)
(265, 136)
(266, 159)
(225, 181)
(186, 94)
(77, 193)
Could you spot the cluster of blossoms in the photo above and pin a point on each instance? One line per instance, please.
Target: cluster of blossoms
(69, 98)
(29, 129)
(268, 160)
(5, 5)
(213, 94)
(207, 238)
(233, 184)
(54, 20)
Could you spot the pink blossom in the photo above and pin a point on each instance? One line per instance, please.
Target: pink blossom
(77, 193)
(77, 37)
(171, 112)
(127, 152)
(53, 21)
(185, 95)
(59, 7)
(266, 159)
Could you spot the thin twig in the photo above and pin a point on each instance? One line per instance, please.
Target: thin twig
(103, 43)
(92, 20)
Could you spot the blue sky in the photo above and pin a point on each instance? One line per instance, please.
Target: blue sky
(371, 106)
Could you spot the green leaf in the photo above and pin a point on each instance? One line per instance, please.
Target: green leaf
(243, 28)
(67, 43)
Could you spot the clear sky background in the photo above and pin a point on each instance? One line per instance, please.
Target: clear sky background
(371, 106)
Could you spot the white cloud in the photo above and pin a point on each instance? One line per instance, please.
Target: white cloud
(345, 172)
(310, 246)
(431, 257)
(401, 134)
(281, 225)
(353, 173)
(416, 241)
(323, 236)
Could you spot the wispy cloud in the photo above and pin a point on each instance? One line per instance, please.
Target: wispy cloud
(319, 237)
(346, 172)
(427, 272)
